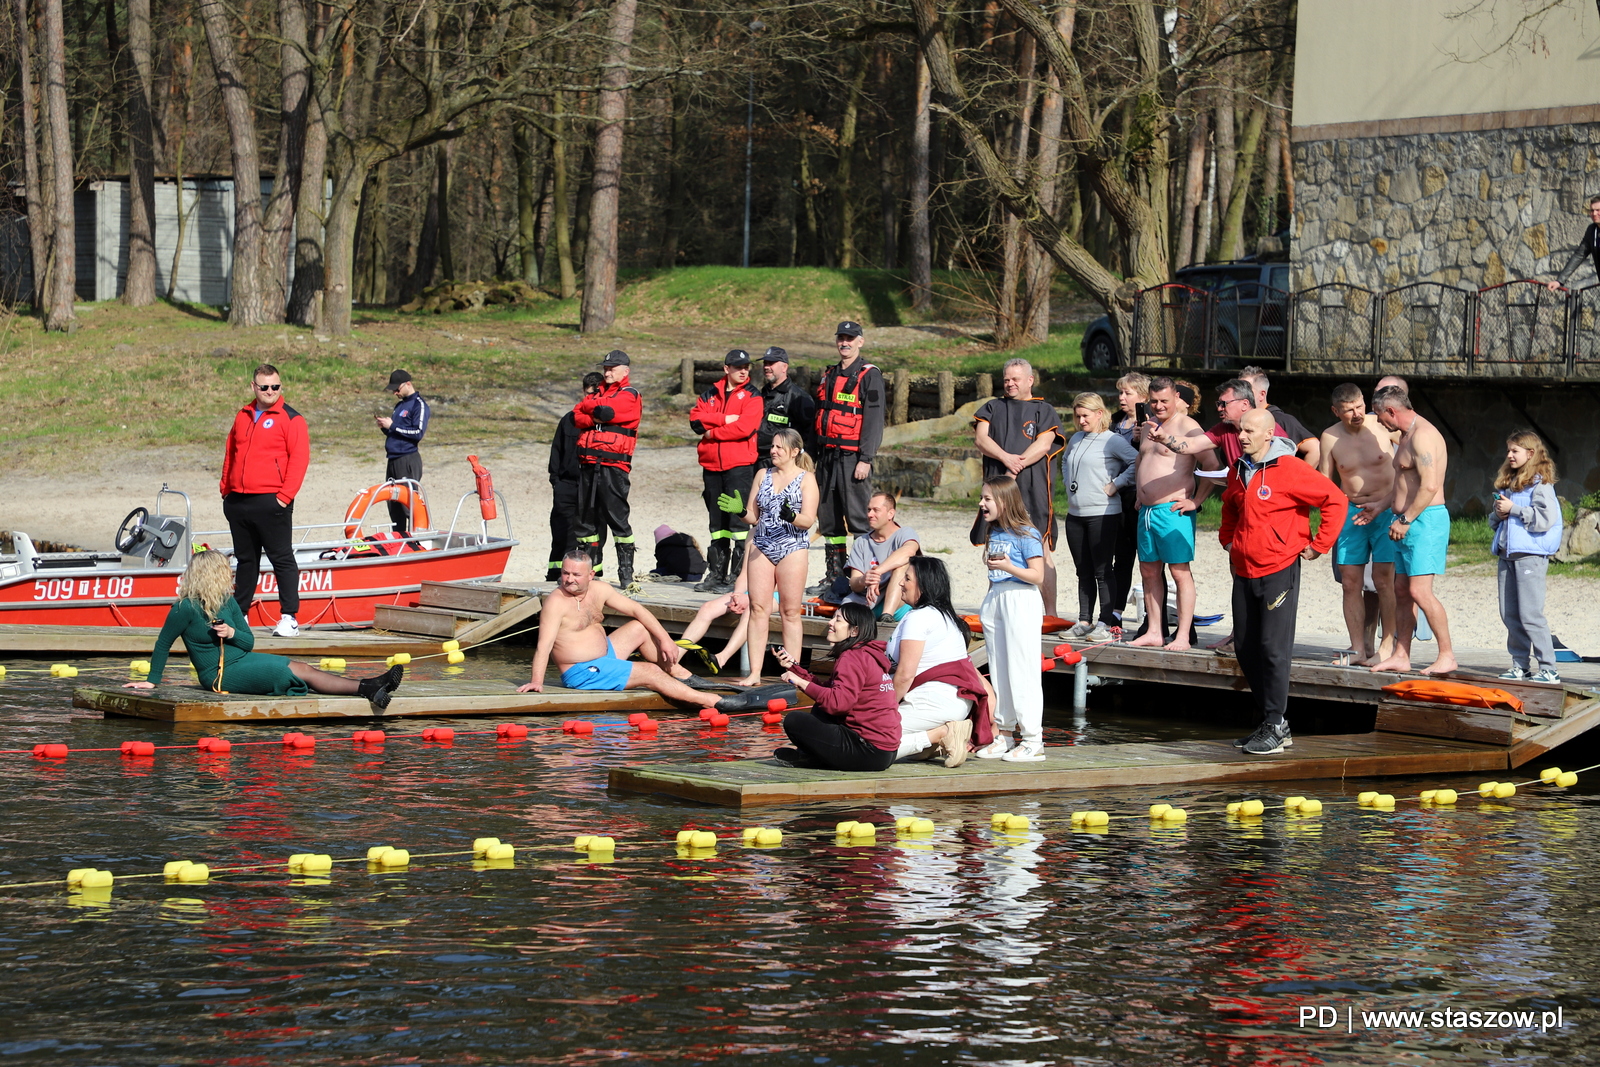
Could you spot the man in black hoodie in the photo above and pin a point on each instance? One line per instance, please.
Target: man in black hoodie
(564, 485)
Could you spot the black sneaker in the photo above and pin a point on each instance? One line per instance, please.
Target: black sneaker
(1269, 738)
(1288, 742)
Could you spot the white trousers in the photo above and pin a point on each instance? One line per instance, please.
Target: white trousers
(1013, 620)
(929, 705)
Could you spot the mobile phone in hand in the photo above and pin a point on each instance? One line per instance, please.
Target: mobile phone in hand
(1141, 412)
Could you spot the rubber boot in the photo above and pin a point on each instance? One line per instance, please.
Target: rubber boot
(716, 567)
(624, 566)
(735, 567)
(377, 688)
(596, 557)
(834, 558)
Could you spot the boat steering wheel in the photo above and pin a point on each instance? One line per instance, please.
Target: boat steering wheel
(132, 530)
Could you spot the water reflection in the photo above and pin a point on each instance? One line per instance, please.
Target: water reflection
(1198, 944)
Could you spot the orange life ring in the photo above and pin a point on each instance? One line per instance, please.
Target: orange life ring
(415, 503)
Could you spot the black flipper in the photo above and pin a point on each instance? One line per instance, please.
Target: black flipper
(756, 697)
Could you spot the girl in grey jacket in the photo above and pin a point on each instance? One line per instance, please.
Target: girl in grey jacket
(1097, 464)
(1526, 518)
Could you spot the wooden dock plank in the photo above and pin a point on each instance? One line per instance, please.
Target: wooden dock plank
(171, 703)
(748, 783)
(28, 639)
(1535, 742)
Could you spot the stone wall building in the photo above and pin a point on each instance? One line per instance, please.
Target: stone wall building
(1438, 141)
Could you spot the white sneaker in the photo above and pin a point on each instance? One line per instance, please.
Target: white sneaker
(1027, 752)
(997, 748)
(287, 627)
(1080, 629)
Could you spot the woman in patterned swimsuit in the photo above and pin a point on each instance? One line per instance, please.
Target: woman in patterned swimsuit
(783, 505)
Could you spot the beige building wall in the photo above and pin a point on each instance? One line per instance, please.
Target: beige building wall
(1359, 63)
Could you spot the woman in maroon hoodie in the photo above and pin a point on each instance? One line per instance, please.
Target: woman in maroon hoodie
(855, 723)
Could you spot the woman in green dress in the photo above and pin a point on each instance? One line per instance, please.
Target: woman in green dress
(219, 642)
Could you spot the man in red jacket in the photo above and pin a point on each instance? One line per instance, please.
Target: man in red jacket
(1266, 529)
(727, 417)
(608, 430)
(263, 466)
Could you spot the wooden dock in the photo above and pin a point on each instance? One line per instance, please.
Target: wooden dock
(22, 639)
(177, 703)
(749, 783)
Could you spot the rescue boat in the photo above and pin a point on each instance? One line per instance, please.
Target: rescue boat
(347, 568)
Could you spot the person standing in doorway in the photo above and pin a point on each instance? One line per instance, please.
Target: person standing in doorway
(563, 469)
(263, 467)
(608, 431)
(785, 406)
(1020, 437)
(403, 432)
(727, 417)
(850, 417)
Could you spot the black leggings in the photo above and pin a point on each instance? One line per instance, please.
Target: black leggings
(1127, 553)
(1093, 542)
(833, 744)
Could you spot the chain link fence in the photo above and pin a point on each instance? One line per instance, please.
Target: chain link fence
(1521, 331)
(1172, 327)
(1331, 329)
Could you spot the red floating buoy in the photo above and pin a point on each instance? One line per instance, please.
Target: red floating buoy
(1047, 664)
(138, 748)
(512, 732)
(771, 718)
(290, 738)
(638, 717)
(438, 734)
(718, 719)
(568, 725)
(302, 742)
(1072, 659)
(205, 743)
(644, 723)
(777, 704)
(219, 745)
(706, 713)
(50, 751)
(583, 727)
(1062, 649)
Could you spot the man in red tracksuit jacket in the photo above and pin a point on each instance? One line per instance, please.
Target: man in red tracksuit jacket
(1266, 529)
(727, 417)
(263, 467)
(608, 431)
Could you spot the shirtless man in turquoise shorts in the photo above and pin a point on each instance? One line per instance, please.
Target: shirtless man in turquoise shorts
(1168, 500)
(571, 629)
(1360, 452)
(1420, 528)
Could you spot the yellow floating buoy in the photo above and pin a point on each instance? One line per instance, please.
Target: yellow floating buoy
(1550, 774)
(400, 657)
(579, 843)
(1175, 815)
(450, 646)
(503, 851)
(193, 872)
(1017, 822)
(1384, 800)
(1077, 817)
(481, 845)
(921, 826)
(1096, 818)
(1158, 810)
(1427, 795)
(1568, 778)
(1505, 789)
(599, 844)
(999, 818)
(138, 666)
(375, 853)
(1251, 809)
(394, 857)
(332, 663)
(843, 829)
(750, 833)
(1487, 789)
(315, 861)
(1310, 806)
(172, 867)
(1234, 806)
(1292, 802)
(702, 839)
(863, 829)
(96, 879)
(769, 836)
(455, 657)
(1445, 796)
(1365, 799)
(904, 821)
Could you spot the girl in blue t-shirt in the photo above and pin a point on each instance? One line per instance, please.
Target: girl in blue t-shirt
(1013, 618)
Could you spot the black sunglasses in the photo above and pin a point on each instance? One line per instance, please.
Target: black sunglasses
(269, 388)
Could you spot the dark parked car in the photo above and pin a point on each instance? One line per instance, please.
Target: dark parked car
(1249, 305)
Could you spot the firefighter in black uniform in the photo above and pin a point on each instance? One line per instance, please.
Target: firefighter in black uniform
(608, 430)
(564, 485)
(788, 407)
(850, 408)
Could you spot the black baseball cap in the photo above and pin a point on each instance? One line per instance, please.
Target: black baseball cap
(396, 380)
(775, 355)
(738, 357)
(615, 358)
(852, 329)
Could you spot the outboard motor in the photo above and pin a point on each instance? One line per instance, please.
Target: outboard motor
(150, 543)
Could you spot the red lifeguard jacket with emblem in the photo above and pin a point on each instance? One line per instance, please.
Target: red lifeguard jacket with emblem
(840, 407)
(609, 441)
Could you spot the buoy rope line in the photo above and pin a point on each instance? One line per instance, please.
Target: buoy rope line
(699, 843)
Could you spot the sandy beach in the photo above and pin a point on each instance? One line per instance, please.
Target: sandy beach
(85, 508)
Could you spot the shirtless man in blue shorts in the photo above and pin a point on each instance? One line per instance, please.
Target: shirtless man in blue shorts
(1168, 500)
(1358, 449)
(571, 629)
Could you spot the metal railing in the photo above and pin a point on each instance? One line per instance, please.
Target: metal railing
(1515, 329)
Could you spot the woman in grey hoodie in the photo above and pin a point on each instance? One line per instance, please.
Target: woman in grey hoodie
(1527, 531)
(1096, 466)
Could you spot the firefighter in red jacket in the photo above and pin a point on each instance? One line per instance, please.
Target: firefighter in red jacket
(850, 408)
(608, 429)
(1266, 529)
(263, 467)
(727, 417)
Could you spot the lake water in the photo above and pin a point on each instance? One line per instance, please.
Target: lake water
(1215, 943)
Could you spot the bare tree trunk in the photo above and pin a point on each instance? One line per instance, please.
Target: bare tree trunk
(808, 191)
(134, 68)
(1040, 269)
(1194, 182)
(1007, 330)
(249, 306)
(600, 260)
(278, 217)
(844, 253)
(372, 233)
(61, 287)
(1202, 242)
(527, 205)
(1224, 158)
(562, 220)
(677, 165)
(1232, 242)
(1277, 129)
(427, 257)
(310, 213)
(921, 232)
(888, 202)
(40, 224)
(447, 259)
(350, 173)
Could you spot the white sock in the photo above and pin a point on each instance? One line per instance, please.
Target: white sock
(911, 744)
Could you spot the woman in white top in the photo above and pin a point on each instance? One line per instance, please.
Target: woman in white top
(933, 717)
